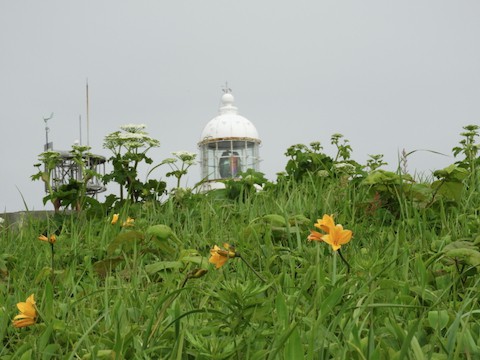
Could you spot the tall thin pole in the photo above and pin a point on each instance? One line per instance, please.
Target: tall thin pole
(47, 129)
(88, 119)
(80, 128)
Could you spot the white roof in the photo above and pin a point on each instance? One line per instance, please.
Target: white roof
(229, 124)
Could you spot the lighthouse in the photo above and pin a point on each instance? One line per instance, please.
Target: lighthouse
(229, 145)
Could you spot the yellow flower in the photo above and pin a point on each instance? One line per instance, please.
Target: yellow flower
(337, 237)
(220, 256)
(326, 223)
(50, 240)
(230, 249)
(129, 222)
(315, 235)
(28, 313)
(114, 219)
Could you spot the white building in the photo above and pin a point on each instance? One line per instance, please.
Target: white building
(229, 144)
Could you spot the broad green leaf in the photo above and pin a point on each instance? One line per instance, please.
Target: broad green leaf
(452, 173)
(163, 265)
(44, 339)
(449, 189)
(459, 244)
(101, 354)
(103, 267)
(274, 219)
(282, 311)
(125, 241)
(294, 348)
(466, 253)
(199, 260)
(161, 232)
(43, 274)
(417, 349)
(27, 355)
(299, 219)
(438, 319)
(51, 352)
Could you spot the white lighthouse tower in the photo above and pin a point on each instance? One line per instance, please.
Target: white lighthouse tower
(228, 145)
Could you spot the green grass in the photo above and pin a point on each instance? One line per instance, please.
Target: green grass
(409, 294)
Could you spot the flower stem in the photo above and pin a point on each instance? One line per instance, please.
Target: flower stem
(53, 262)
(251, 268)
(345, 261)
(334, 271)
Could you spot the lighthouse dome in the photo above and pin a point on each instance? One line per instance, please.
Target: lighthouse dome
(228, 124)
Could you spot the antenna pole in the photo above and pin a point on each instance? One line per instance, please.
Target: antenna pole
(47, 129)
(88, 118)
(80, 127)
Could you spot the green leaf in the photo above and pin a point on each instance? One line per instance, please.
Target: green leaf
(299, 219)
(161, 232)
(282, 311)
(449, 189)
(125, 241)
(294, 348)
(27, 355)
(43, 274)
(163, 265)
(51, 352)
(463, 251)
(274, 220)
(100, 354)
(438, 319)
(103, 267)
(452, 173)
(44, 339)
(385, 177)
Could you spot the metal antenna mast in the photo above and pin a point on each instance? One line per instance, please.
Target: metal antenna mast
(47, 129)
(88, 119)
(80, 128)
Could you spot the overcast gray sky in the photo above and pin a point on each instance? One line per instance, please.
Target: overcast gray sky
(388, 75)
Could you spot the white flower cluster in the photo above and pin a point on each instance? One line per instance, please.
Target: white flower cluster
(133, 128)
(187, 157)
(49, 156)
(133, 137)
(169, 161)
(323, 173)
(345, 167)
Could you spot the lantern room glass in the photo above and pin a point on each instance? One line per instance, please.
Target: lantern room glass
(223, 159)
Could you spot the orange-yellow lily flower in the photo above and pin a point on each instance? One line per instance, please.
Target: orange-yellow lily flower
(220, 256)
(326, 223)
(129, 222)
(50, 240)
(337, 237)
(315, 235)
(28, 313)
(114, 219)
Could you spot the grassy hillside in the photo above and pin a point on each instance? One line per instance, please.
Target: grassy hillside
(406, 286)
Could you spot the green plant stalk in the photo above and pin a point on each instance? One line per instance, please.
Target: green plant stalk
(344, 260)
(180, 176)
(251, 268)
(334, 268)
(53, 262)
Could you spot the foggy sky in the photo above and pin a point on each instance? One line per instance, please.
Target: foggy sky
(387, 75)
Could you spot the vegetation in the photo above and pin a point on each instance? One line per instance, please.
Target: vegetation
(245, 274)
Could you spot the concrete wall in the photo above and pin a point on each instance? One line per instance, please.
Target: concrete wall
(19, 217)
